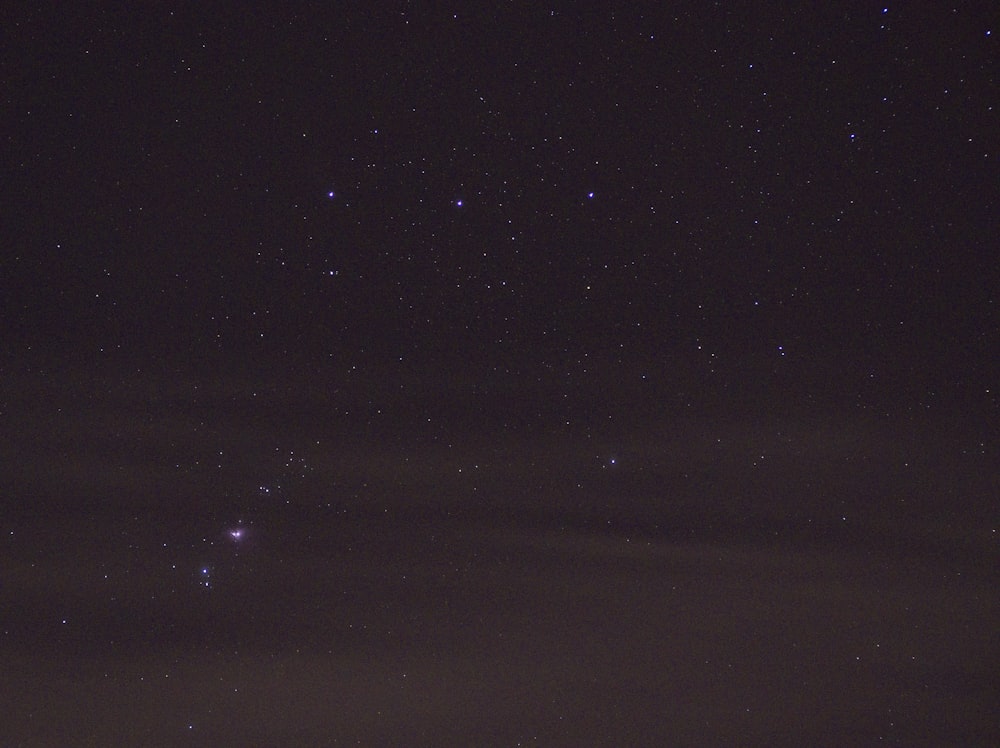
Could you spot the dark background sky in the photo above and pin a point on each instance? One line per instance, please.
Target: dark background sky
(821, 180)
(538, 279)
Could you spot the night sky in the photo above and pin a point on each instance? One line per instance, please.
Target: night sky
(499, 374)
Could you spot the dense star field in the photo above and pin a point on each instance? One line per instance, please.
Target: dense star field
(554, 375)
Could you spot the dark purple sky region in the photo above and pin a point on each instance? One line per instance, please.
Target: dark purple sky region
(499, 375)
